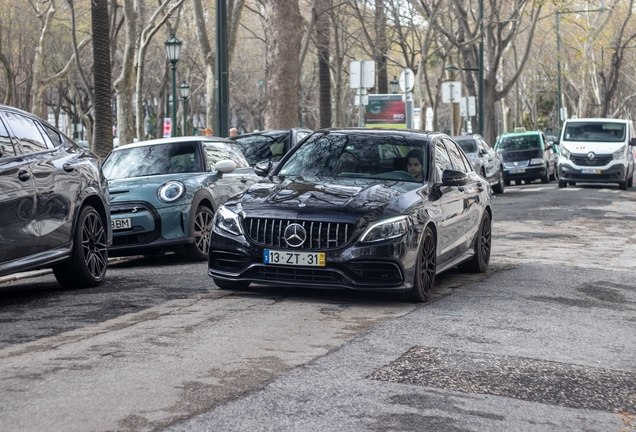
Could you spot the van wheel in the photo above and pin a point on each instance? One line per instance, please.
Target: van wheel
(630, 182)
(546, 177)
(622, 185)
(563, 184)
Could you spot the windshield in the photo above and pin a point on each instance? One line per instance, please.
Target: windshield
(594, 131)
(258, 148)
(361, 155)
(469, 146)
(518, 142)
(152, 160)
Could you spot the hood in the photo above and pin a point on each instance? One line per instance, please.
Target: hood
(142, 188)
(584, 147)
(521, 155)
(305, 195)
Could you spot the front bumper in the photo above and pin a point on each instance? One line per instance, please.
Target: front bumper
(529, 173)
(383, 266)
(614, 172)
(153, 230)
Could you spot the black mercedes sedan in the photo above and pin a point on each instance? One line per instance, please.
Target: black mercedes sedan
(364, 209)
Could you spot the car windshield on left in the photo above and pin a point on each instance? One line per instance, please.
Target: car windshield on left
(373, 156)
(155, 159)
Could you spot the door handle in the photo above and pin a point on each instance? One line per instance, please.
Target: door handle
(461, 188)
(243, 180)
(68, 167)
(24, 175)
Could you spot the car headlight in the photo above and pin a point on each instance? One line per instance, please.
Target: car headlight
(171, 191)
(619, 154)
(386, 229)
(565, 154)
(536, 161)
(227, 220)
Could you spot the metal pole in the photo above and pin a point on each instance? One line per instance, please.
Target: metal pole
(559, 101)
(185, 117)
(173, 126)
(481, 68)
(360, 110)
(75, 118)
(222, 91)
(452, 125)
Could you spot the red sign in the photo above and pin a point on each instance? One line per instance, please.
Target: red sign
(167, 127)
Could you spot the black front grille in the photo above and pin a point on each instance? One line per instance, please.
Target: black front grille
(132, 237)
(297, 275)
(586, 161)
(320, 235)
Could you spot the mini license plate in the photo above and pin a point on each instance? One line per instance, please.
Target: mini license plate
(517, 171)
(312, 259)
(120, 224)
(590, 171)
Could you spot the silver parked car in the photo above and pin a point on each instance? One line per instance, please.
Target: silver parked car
(485, 160)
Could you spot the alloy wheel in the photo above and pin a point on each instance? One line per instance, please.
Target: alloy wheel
(202, 226)
(94, 246)
(428, 263)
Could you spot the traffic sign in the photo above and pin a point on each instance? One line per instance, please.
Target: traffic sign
(451, 92)
(362, 74)
(467, 106)
(407, 80)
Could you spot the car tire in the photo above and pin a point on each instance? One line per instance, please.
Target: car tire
(507, 182)
(553, 176)
(424, 279)
(483, 243)
(231, 285)
(202, 223)
(622, 185)
(89, 258)
(572, 183)
(499, 187)
(630, 182)
(546, 177)
(562, 184)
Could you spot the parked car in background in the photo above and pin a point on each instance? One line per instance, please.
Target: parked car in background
(365, 209)
(485, 160)
(269, 145)
(53, 203)
(597, 150)
(164, 193)
(526, 156)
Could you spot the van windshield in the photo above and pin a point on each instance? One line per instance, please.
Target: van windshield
(594, 131)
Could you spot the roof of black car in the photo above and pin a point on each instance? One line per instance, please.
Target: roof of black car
(381, 131)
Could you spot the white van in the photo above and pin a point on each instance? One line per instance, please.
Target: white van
(597, 150)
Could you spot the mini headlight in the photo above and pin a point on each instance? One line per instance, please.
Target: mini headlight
(536, 161)
(565, 154)
(171, 191)
(386, 229)
(619, 154)
(227, 220)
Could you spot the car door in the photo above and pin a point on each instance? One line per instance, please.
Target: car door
(490, 161)
(471, 192)
(19, 229)
(451, 205)
(55, 178)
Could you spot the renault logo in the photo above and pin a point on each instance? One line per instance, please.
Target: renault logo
(295, 235)
(591, 156)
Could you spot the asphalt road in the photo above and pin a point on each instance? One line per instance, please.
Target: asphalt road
(544, 341)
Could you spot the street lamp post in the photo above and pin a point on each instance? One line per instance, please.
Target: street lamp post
(558, 46)
(185, 93)
(394, 85)
(173, 50)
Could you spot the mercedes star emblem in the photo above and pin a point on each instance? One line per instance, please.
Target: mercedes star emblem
(295, 235)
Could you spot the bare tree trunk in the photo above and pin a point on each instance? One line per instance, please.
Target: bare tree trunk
(125, 84)
(324, 73)
(283, 25)
(102, 85)
(233, 24)
(381, 48)
(8, 98)
(209, 56)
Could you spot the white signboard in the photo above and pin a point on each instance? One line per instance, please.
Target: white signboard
(467, 106)
(407, 80)
(451, 92)
(362, 74)
(429, 119)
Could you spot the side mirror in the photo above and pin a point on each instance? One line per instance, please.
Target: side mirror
(483, 151)
(263, 168)
(224, 167)
(632, 142)
(454, 178)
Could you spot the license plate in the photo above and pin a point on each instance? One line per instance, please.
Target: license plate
(120, 224)
(312, 259)
(590, 171)
(517, 171)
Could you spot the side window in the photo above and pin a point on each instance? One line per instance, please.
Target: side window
(6, 147)
(442, 160)
(25, 130)
(485, 144)
(455, 156)
(55, 137)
